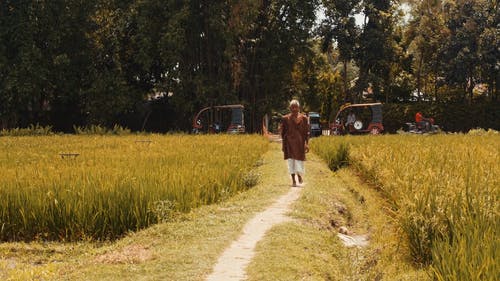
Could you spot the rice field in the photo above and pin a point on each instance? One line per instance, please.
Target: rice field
(91, 187)
(444, 190)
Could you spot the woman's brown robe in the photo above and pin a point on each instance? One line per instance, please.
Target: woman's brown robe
(295, 134)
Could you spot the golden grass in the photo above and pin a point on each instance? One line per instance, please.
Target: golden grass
(444, 190)
(116, 183)
(185, 248)
(308, 248)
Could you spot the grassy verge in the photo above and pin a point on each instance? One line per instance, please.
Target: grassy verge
(184, 249)
(308, 248)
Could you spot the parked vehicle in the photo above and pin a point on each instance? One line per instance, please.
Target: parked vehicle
(314, 124)
(420, 128)
(220, 118)
(362, 118)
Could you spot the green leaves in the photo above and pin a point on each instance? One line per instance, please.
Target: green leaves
(75, 62)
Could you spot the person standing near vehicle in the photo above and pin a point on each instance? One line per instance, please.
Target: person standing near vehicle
(295, 135)
(351, 118)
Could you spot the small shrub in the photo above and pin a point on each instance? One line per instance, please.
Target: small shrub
(251, 179)
(163, 210)
(483, 132)
(90, 130)
(119, 130)
(340, 157)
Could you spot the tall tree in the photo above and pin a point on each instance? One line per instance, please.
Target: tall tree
(185, 49)
(489, 40)
(460, 52)
(469, 59)
(281, 35)
(375, 52)
(152, 46)
(45, 51)
(12, 35)
(320, 78)
(340, 27)
(426, 33)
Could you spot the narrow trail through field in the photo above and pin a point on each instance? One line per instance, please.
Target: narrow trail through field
(232, 263)
(346, 202)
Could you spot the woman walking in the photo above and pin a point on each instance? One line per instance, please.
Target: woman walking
(295, 135)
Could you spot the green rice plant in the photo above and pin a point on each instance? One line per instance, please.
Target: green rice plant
(470, 250)
(101, 130)
(445, 191)
(251, 179)
(335, 154)
(114, 184)
(31, 130)
(163, 210)
(424, 223)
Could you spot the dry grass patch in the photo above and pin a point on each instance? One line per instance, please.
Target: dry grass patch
(129, 254)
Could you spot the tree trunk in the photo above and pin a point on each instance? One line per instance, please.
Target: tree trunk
(347, 96)
(419, 77)
(494, 90)
(435, 82)
(470, 89)
(3, 123)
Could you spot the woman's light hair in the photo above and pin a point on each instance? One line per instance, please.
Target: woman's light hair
(294, 102)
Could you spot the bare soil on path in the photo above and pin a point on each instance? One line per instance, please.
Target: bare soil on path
(232, 263)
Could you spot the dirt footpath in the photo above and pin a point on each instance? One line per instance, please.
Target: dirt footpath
(339, 231)
(232, 263)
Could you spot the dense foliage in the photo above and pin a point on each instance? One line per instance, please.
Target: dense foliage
(105, 62)
(419, 50)
(449, 116)
(76, 62)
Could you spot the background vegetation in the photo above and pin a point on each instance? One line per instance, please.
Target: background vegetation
(451, 116)
(106, 62)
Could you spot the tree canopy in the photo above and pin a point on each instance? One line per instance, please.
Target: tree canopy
(70, 62)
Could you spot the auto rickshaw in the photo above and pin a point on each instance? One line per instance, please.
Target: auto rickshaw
(220, 118)
(362, 118)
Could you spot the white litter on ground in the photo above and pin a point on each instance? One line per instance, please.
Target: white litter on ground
(353, 241)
